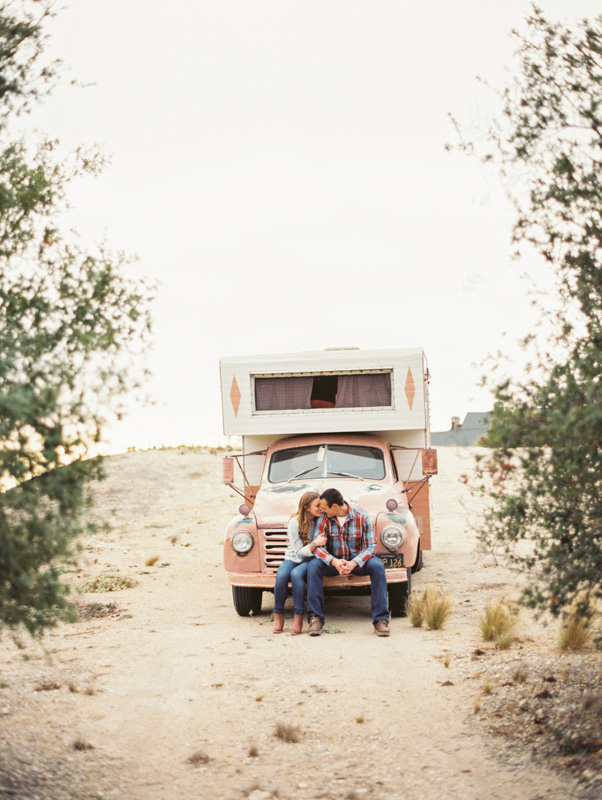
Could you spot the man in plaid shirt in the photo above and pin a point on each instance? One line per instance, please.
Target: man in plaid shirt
(351, 547)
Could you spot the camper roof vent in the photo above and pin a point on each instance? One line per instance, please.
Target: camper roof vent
(340, 348)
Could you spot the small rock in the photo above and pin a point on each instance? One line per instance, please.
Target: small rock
(259, 794)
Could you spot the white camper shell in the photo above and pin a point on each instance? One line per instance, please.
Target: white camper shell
(270, 396)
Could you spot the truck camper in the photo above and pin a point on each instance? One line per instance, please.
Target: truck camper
(354, 420)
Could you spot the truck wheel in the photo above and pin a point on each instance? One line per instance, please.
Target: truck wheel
(399, 594)
(247, 600)
(419, 563)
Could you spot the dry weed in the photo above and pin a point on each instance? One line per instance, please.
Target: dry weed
(80, 744)
(198, 757)
(575, 633)
(437, 607)
(287, 732)
(497, 624)
(47, 686)
(433, 606)
(107, 583)
(151, 561)
(415, 610)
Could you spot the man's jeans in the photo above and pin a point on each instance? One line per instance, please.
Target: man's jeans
(319, 569)
(297, 575)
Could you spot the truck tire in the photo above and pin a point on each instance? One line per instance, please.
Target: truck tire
(399, 594)
(419, 563)
(247, 600)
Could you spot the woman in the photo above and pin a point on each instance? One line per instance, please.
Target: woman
(303, 540)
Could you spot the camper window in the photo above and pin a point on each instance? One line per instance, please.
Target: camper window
(356, 390)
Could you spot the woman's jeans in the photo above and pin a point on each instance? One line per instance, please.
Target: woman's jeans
(297, 575)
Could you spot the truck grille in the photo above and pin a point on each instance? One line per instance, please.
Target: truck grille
(276, 542)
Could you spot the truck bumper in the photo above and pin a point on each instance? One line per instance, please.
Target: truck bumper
(267, 581)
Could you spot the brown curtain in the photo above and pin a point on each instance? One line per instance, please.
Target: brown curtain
(360, 391)
(282, 394)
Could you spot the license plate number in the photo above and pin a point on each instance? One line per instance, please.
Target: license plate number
(391, 560)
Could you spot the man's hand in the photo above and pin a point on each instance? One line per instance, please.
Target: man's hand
(343, 567)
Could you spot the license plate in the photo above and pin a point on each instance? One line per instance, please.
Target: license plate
(391, 560)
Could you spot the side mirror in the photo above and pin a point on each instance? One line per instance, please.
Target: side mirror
(228, 469)
(429, 462)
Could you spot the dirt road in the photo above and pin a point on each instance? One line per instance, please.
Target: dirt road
(163, 693)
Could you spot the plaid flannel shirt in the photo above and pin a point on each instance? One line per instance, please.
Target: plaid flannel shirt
(353, 540)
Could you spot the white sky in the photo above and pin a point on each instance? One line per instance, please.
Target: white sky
(279, 167)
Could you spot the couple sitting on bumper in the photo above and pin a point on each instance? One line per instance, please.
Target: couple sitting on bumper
(327, 537)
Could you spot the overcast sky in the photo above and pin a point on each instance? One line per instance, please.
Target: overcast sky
(280, 169)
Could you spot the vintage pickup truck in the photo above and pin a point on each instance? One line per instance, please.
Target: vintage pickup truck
(353, 420)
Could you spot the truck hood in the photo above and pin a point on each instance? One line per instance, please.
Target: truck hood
(276, 503)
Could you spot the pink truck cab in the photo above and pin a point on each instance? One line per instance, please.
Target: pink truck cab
(347, 419)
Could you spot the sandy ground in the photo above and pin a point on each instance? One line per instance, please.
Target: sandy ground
(168, 694)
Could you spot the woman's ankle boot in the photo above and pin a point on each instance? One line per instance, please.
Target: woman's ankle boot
(278, 623)
(297, 625)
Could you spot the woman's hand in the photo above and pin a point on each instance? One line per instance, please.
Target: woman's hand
(321, 540)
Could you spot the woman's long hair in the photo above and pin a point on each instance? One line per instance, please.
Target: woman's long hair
(304, 517)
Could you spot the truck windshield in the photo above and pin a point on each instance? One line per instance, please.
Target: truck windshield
(327, 461)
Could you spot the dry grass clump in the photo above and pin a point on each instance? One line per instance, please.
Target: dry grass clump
(437, 607)
(107, 583)
(287, 732)
(415, 610)
(151, 561)
(47, 686)
(575, 633)
(520, 674)
(96, 610)
(80, 744)
(198, 757)
(433, 606)
(497, 624)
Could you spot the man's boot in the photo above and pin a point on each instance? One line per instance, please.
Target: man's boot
(297, 625)
(278, 623)
(315, 626)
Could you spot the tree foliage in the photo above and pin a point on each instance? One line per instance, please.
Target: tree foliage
(544, 476)
(70, 325)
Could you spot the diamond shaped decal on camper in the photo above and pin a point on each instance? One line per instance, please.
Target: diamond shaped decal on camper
(410, 388)
(235, 396)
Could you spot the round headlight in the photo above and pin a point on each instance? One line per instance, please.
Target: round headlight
(392, 537)
(241, 542)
